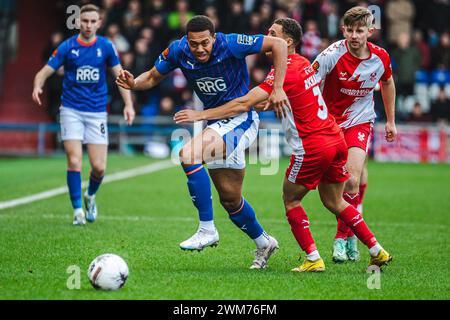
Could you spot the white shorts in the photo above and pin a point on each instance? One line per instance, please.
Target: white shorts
(88, 127)
(238, 133)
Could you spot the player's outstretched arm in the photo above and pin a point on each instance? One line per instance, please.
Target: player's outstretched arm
(145, 81)
(128, 110)
(39, 81)
(278, 98)
(388, 95)
(229, 109)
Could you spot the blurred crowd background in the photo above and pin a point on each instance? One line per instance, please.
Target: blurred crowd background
(415, 33)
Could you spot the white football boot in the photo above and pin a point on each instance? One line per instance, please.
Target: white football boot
(262, 255)
(201, 239)
(78, 217)
(91, 207)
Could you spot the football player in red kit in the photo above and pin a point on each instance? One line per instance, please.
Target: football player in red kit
(319, 149)
(349, 70)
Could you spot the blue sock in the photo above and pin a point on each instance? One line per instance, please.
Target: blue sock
(94, 184)
(200, 190)
(74, 184)
(245, 219)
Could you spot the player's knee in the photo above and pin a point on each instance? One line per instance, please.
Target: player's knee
(290, 202)
(331, 205)
(230, 203)
(99, 170)
(189, 155)
(334, 205)
(352, 184)
(74, 163)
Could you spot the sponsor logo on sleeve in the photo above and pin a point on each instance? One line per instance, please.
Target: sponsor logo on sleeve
(246, 40)
(316, 66)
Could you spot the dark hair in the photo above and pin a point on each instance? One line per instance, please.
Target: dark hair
(291, 28)
(200, 23)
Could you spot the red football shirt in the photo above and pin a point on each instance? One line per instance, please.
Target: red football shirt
(309, 128)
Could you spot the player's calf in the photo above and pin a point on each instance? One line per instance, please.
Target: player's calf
(299, 223)
(355, 221)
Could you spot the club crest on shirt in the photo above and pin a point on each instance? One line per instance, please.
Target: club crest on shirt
(373, 76)
(343, 76)
(361, 136)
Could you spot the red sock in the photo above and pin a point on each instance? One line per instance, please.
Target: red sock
(300, 228)
(362, 191)
(356, 222)
(344, 231)
(354, 200)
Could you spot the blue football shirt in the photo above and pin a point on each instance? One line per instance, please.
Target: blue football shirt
(84, 85)
(224, 77)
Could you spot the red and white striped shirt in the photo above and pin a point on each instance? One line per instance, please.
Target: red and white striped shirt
(348, 82)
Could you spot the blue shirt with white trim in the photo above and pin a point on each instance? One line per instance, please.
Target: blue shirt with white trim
(224, 77)
(84, 86)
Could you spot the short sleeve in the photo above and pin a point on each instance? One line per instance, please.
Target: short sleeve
(387, 66)
(328, 58)
(321, 66)
(242, 45)
(267, 85)
(112, 59)
(58, 56)
(167, 60)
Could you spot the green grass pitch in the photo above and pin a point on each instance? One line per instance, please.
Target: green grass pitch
(143, 219)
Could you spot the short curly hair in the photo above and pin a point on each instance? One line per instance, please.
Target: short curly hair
(200, 23)
(291, 28)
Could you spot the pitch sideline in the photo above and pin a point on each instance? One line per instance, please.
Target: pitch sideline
(158, 166)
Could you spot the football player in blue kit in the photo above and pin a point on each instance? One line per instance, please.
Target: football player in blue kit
(214, 65)
(83, 115)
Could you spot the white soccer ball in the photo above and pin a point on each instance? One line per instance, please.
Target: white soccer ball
(108, 272)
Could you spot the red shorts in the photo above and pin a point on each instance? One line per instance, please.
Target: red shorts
(358, 136)
(327, 166)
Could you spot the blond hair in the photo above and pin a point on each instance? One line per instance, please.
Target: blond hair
(358, 16)
(89, 8)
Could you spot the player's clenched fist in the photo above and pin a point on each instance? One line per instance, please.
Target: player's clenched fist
(125, 80)
(278, 101)
(391, 132)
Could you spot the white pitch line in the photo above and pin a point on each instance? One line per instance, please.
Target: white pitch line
(109, 178)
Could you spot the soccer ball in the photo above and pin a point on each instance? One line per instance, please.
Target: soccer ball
(108, 272)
